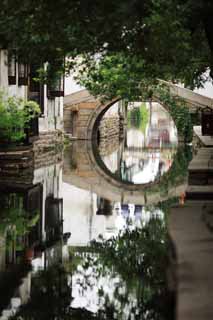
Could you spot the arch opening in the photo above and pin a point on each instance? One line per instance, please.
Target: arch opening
(141, 147)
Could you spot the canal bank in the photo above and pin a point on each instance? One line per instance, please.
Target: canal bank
(190, 227)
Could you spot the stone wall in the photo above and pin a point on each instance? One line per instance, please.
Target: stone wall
(68, 121)
(46, 150)
(111, 126)
(48, 140)
(76, 118)
(108, 145)
(110, 133)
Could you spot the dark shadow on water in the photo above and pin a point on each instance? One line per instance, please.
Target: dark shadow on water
(124, 276)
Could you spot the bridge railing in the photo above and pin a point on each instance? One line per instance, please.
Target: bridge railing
(191, 97)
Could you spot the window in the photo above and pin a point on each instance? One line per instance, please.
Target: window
(56, 88)
(34, 85)
(22, 74)
(11, 68)
(36, 88)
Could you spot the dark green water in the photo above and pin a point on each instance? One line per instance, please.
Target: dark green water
(68, 252)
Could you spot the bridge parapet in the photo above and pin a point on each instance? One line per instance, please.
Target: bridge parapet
(193, 99)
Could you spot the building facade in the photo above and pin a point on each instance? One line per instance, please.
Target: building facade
(18, 79)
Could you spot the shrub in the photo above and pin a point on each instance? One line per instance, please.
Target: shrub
(15, 116)
(178, 110)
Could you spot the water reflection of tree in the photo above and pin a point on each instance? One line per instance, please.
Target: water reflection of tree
(134, 263)
(16, 222)
(50, 296)
(138, 258)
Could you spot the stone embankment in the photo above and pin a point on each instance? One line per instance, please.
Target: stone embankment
(191, 226)
(43, 152)
(48, 149)
(19, 164)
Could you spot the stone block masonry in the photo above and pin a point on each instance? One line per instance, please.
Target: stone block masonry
(46, 150)
(108, 145)
(111, 131)
(110, 126)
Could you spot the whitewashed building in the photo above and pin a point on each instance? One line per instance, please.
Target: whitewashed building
(17, 79)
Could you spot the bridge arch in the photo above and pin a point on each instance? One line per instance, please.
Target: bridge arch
(96, 116)
(95, 159)
(90, 124)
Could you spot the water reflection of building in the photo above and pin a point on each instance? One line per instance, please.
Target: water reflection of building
(136, 215)
(31, 217)
(86, 215)
(31, 214)
(44, 284)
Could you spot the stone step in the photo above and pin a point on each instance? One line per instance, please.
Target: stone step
(16, 154)
(201, 167)
(199, 192)
(200, 177)
(203, 149)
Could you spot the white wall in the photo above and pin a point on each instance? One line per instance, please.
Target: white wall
(53, 108)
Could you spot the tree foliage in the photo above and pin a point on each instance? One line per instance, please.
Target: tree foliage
(178, 111)
(173, 38)
(138, 117)
(177, 174)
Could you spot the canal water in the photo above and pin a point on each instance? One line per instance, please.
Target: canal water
(71, 249)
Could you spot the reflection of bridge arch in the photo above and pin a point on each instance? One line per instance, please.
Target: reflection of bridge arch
(88, 175)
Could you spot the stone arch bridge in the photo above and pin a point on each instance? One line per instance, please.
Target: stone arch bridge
(82, 111)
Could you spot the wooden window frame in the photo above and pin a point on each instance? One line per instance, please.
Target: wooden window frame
(36, 89)
(23, 75)
(56, 91)
(12, 68)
